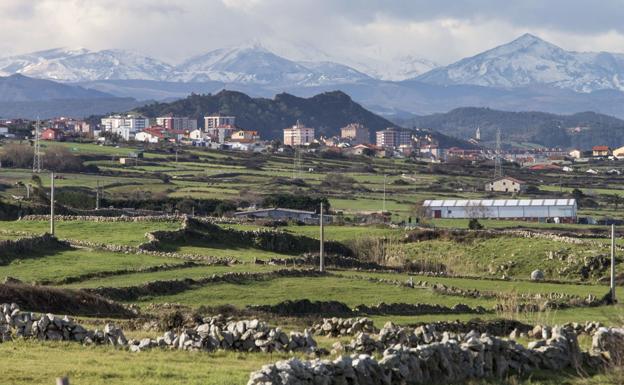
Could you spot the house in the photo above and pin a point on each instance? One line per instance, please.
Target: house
(619, 152)
(505, 184)
(52, 134)
(279, 214)
(592, 171)
(601, 151)
(150, 135)
(198, 135)
(614, 171)
(576, 154)
(244, 136)
(563, 210)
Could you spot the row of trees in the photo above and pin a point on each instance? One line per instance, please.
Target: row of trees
(55, 158)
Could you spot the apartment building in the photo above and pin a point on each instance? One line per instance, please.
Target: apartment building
(216, 121)
(393, 138)
(356, 133)
(298, 135)
(171, 122)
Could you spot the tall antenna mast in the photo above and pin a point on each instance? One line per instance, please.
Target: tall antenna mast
(498, 163)
(37, 156)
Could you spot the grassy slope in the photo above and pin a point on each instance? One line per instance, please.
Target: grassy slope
(120, 233)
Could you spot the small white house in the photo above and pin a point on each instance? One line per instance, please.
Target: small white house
(505, 184)
(147, 137)
(591, 171)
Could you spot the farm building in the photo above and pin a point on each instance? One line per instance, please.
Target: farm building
(280, 214)
(505, 184)
(534, 209)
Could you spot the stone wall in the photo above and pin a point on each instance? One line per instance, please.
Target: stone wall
(156, 288)
(212, 334)
(454, 359)
(29, 247)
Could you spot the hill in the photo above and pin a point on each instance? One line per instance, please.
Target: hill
(581, 130)
(326, 112)
(19, 88)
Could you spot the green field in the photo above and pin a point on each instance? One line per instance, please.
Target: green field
(354, 187)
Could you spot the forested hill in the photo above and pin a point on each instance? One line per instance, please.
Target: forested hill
(582, 130)
(326, 112)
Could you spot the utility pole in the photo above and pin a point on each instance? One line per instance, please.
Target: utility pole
(97, 195)
(384, 194)
(52, 203)
(612, 283)
(322, 235)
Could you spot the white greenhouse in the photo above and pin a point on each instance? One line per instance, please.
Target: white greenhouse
(533, 209)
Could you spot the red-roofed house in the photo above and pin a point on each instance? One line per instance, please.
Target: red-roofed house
(599, 151)
(52, 134)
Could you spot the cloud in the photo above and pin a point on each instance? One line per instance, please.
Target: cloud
(442, 30)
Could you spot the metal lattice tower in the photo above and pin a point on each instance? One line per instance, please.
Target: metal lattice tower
(297, 164)
(37, 152)
(498, 163)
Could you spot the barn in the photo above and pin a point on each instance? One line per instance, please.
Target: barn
(528, 209)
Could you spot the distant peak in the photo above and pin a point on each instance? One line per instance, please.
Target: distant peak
(527, 39)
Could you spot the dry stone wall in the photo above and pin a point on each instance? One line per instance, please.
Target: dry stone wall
(453, 359)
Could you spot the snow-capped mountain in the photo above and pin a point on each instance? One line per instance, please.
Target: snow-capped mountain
(396, 69)
(255, 64)
(530, 61)
(84, 65)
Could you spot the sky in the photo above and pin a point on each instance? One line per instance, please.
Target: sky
(440, 30)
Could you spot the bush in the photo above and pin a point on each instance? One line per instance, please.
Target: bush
(474, 224)
(59, 158)
(17, 155)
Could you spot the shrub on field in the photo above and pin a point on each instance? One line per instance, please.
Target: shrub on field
(474, 224)
(59, 158)
(337, 181)
(17, 155)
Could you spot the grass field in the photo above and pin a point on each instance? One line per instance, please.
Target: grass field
(119, 233)
(60, 264)
(354, 187)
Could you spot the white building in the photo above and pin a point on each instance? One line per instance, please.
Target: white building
(298, 135)
(215, 121)
(505, 184)
(124, 125)
(563, 209)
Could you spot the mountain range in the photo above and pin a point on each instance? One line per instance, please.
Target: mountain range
(526, 74)
(581, 130)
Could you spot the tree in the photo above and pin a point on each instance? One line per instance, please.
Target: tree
(59, 158)
(17, 155)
